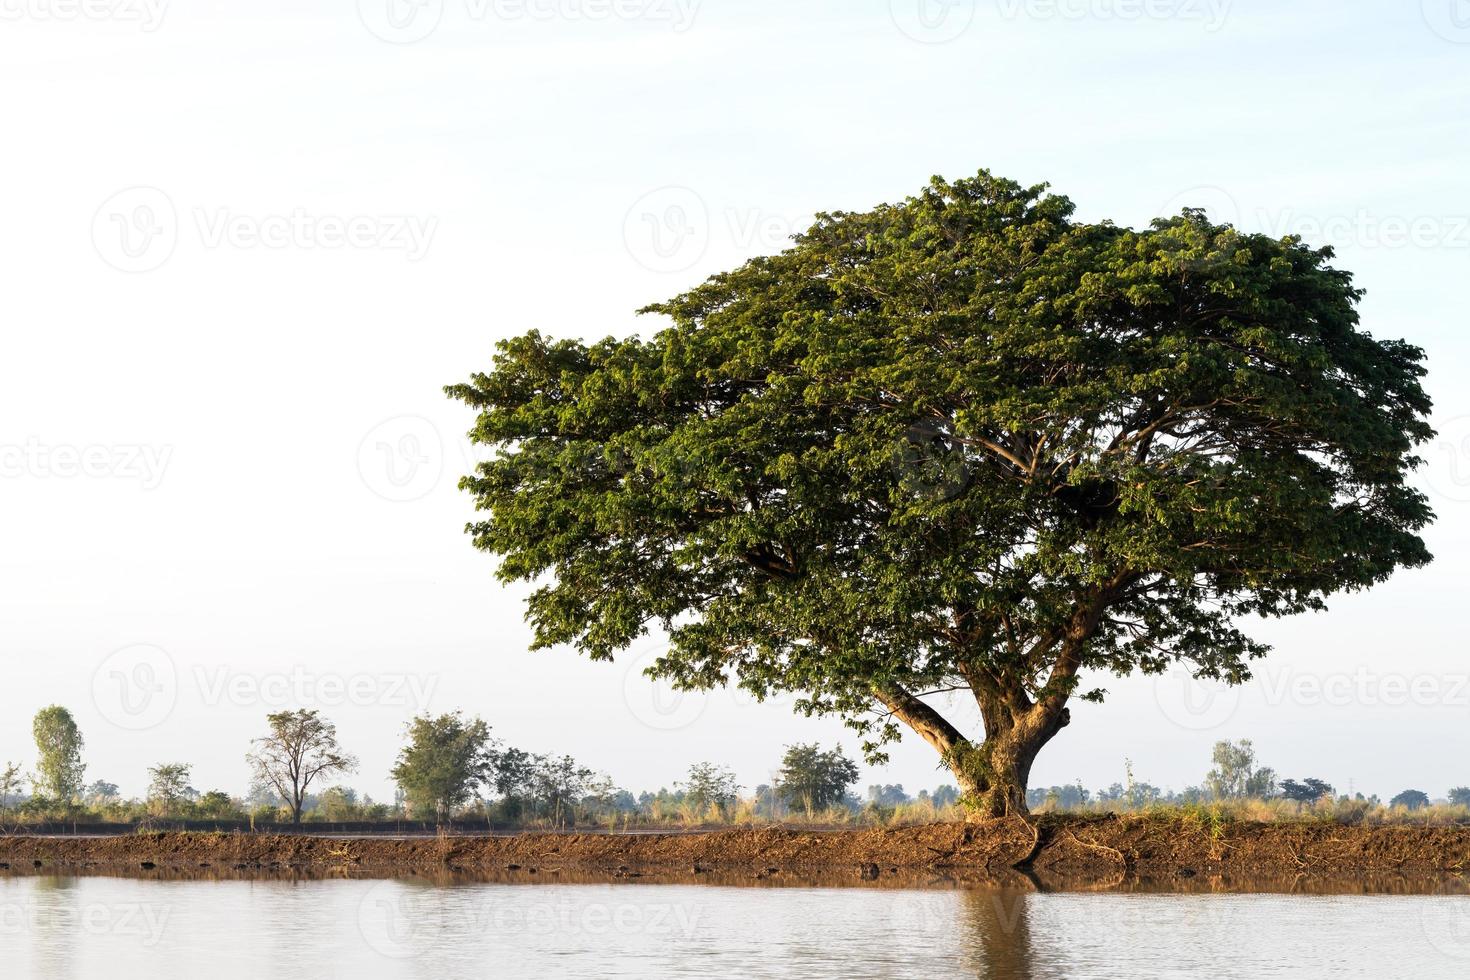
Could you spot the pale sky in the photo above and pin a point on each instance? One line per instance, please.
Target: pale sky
(246, 245)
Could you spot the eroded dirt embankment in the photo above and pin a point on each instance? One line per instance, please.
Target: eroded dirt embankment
(1048, 851)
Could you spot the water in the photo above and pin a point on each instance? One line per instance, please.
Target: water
(125, 929)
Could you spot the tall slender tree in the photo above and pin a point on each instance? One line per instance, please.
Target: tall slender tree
(59, 743)
(963, 443)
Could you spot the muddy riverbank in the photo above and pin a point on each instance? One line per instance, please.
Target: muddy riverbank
(1048, 852)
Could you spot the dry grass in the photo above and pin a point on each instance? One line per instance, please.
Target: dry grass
(1334, 811)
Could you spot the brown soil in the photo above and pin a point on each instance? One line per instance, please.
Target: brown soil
(1108, 852)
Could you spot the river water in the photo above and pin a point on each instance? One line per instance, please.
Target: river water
(128, 929)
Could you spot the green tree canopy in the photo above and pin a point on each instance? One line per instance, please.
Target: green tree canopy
(1411, 799)
(813, 779)
(59, 766)
(963, 442)
(1307, 791)
(447, 759)
(169, 789)
(1236, 775)
(708, 785)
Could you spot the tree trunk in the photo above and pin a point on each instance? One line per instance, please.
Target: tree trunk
(994, 778)
(994, 775)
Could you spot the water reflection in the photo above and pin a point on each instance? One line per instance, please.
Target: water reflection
(127, 929)
(999, 931)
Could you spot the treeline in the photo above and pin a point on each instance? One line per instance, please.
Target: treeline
(449, 768)
(1235, 776)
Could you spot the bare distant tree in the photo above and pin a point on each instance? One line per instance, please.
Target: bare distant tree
(301, 748)
(10, 784)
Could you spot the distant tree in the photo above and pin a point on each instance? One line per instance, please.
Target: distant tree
(815, 780)
(339, 803)
(1067, 797)
(513, 779)
(1132, 793)
(1143, 794)
(1192, 794)
(558, 784)
(216, 805)
(1306, 791)
(885, 795)
(10, 784)
(59, 764)
(601, 798)
(300, 749)
(708, 785)
(767, 801)
(101, 791)
(1235, 776)
(1460, 796)
(1410, 799)
(945, 796)
(447, 760)
(168, 788)
(1135, 793)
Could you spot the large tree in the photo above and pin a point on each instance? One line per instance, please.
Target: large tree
(960, 443)
(300, 750)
